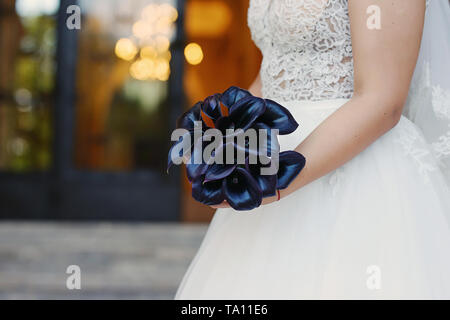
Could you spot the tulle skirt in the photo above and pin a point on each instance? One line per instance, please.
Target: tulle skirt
(376, 228)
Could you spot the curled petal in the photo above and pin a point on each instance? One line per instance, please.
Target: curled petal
(271, 145)
(219, 166)
(278, 117)
(219, 171)
(169, 158)
(187, 120)
(211, 107)
(246, 111)
(193, 171)
(267, 183)
(184, 153)
(233, 95)
(196, 166)
(226, 152)
(241, 190)
(224, 123)
(291, 163)
(209, 193)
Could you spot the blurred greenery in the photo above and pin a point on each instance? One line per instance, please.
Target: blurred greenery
(29, 131)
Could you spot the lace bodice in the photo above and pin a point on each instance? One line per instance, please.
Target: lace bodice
(306, 47)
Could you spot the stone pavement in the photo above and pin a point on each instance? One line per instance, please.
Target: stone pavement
(117, 261)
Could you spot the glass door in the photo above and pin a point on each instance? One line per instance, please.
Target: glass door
(125, 100)
(86, 113)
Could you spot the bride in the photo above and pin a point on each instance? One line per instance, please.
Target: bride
(369, 215)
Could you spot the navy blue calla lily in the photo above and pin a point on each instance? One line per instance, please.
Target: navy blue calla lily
(219, 171)
(271, 146)
(187, 120)
(182, 154)
(244, 112)
(233, 95)
(241, 190)
(193, 171)
(196, 166)
(224, 123)
(211, 107)
(209, 193)
(267, 183)
(278, 117)
(291, 163)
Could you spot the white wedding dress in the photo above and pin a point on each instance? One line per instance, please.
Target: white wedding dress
(378, 227)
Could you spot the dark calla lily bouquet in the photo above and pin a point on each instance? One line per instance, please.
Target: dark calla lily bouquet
(232, 115)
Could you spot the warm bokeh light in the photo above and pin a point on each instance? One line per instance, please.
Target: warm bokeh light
(168, 11)
(142, 30)
(162, 70)
(150, 69)
(193, 53)
(150, 13)
(156, 20)
(162, 44)
(142, 69)
(153, 34)
(166, 56)
(149, 52)
(125, 49)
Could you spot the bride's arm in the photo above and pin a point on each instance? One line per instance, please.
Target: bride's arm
(384, 61)
(255, 87)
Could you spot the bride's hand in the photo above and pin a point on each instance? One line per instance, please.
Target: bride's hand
(221, 205)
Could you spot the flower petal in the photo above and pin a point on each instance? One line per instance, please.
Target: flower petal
(185, 153)
(241, 191)
(291, 163)
(193, 169)
(211, 107)
(267, 183)
(219, 171)
(278, 117)
(246, 111)
(272, 146)
(209, 193)
(233, 95)
(223, 124)
(187, 119)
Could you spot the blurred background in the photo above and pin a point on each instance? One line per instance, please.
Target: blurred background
(85, 121)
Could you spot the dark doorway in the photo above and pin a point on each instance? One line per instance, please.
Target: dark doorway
(99, 122)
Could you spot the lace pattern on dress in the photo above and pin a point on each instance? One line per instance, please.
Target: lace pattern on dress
(424, 93)
(441, 106)
(306, 47)
(414, 145)
(441, 102)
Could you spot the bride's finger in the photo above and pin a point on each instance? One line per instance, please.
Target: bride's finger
(221, 205)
